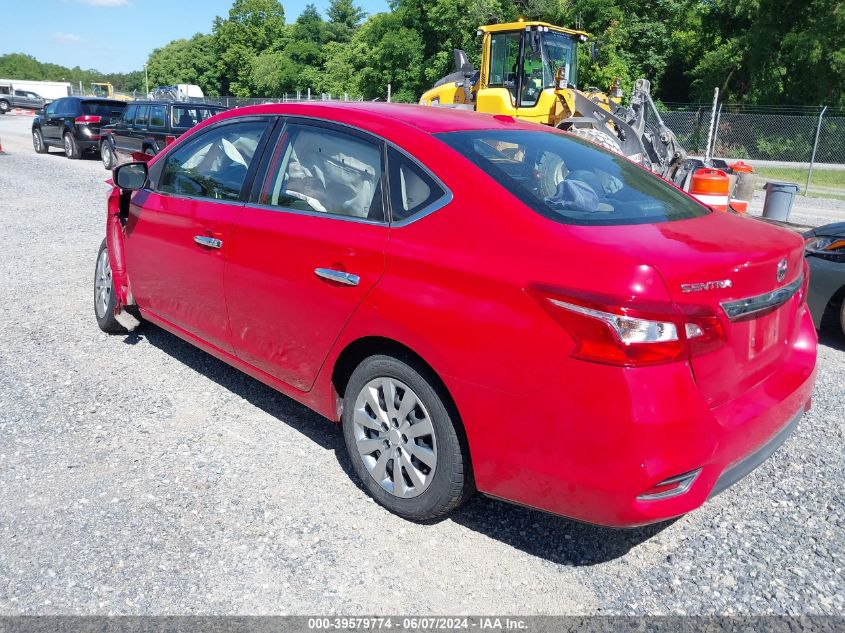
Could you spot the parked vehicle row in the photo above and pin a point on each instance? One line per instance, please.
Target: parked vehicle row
(115, 129)
(147, 127)
(594, 343)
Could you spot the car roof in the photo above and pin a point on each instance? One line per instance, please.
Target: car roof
(429, 119)
(201, 104)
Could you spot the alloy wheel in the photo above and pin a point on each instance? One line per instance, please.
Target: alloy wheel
(36, 141)
(68, 146)
(395, 437)
(103, 284)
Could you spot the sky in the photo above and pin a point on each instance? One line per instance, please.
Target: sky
(116, 35)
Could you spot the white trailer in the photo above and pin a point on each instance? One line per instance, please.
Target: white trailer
(50, 90)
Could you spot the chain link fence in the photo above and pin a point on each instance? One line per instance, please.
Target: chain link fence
(801, 145)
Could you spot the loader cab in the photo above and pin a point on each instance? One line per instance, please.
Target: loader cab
(523, 64)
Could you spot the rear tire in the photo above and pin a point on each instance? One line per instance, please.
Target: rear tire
(104, 297)
(38, 142)
(107, 155)
(72, 150)
(402, 439)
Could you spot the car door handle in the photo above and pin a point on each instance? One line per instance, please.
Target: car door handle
(210, 242)
(339, 276)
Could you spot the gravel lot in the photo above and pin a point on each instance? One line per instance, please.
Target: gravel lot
(139, 475)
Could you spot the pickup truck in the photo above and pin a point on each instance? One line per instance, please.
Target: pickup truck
(147, 127)
(11, 98)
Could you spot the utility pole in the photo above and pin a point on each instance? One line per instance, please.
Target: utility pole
(146, 80)
(815, 147)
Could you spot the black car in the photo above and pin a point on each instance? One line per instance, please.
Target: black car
(825, 250)
(147, 127)
(74, 124)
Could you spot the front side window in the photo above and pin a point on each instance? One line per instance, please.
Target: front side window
(412, 189)
(572, 181)
(215, 164)
(130, 114)
(326, 171)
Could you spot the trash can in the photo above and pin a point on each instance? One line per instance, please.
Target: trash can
(744, 189)
(779, 198)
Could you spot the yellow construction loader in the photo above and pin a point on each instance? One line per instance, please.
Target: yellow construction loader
(106, 91)
(529, 70)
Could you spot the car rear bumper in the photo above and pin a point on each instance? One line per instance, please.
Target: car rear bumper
(595, 440)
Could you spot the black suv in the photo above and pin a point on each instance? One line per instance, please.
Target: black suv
(147, 127)
(74, 124)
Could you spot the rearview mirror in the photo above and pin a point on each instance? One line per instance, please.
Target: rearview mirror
(131, 176)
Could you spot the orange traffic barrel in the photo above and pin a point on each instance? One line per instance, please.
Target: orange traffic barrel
(740, 206)
(710, 187)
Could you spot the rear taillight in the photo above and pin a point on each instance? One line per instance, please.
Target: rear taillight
(606, 331)
(805, 284)
(169, 139)
(88, 118)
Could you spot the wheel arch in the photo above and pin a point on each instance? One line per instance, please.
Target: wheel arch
(357, 350)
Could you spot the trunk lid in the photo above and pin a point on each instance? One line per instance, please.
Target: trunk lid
(718, 259)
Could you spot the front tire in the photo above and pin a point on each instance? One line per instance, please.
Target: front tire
(104, 296)
(38, 142)
(4, 106)
(598, 137)
(72, 150)
(842, 316)
(402, 439)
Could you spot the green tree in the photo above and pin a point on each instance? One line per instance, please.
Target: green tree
(185, 61)
(344, 18)
(252, 28)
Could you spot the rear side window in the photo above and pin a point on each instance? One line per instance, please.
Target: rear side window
(188, 116)
(214, 164)
(326, 171)
(412, 189)
(157, 115)
(104, 109)
(572, 181)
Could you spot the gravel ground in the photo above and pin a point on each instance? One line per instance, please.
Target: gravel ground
(139, 475)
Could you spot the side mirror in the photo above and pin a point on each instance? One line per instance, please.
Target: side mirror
(594, 51)
(131, 176)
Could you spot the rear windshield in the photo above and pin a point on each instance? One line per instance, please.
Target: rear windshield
(570, 180)
(105, 109)
(188, 116)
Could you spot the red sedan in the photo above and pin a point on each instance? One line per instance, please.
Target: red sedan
(481, 303)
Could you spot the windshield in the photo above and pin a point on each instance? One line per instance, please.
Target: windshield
(572, 181)
(545, 52)
(559, 51)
